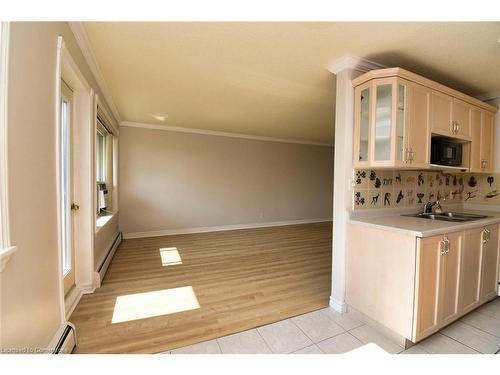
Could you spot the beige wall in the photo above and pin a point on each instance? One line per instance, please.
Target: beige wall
(30, 314)
(173, 181)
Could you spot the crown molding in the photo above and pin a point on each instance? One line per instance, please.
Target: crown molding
(489, 96)
(353, 63)
(218, 133)
(82, 39)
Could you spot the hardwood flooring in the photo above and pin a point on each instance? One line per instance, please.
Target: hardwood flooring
(241, 279)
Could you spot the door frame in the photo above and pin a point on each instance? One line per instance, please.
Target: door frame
(83, 182)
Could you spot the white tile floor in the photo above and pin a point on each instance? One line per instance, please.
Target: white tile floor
(326, 331)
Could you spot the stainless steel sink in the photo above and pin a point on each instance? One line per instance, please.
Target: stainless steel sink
(449, 216)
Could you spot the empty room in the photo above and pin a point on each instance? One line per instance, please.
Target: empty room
(265, 187)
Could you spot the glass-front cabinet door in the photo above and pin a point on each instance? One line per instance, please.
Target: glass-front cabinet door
(383, 126)
(380, 123)
(362, 129)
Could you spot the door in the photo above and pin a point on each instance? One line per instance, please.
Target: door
(475, 156)
(441, 121)
(486, 146)
(66, 186)
(470, 270)
(418, 125)
(489, 269)
(428, 283)
(450, 280)
(461, 118)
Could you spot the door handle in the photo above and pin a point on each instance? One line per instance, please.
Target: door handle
(74, 207)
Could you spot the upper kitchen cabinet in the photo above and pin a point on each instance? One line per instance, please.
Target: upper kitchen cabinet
(391, 124)
(450, 116)
(397, 113)
(482, 132)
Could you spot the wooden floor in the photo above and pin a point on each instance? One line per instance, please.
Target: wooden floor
(242, 279)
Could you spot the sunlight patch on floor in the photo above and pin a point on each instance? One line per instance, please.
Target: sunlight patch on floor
(170, 256)
(149, 304)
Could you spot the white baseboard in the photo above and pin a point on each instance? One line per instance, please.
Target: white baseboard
(169, 232)
(107, 260)
(72, 299)
(339, 306)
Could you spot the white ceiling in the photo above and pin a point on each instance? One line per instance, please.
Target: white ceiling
(270, 79)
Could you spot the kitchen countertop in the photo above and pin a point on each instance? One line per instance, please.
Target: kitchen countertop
(420, 227)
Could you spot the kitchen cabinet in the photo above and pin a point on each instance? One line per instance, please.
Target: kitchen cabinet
(438, 280)
(450, 116)
(415, 286)
(417, 126)
(392, 124)
(470, 269)
(396, 112)
(442, 108)
(482, 136)
(489, 268)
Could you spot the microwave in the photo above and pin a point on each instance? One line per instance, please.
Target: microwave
(446, 152)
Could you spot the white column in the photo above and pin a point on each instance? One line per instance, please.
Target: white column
(346, 68)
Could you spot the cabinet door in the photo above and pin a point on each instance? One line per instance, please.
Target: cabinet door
(418, 126)
(383, 132)
(429, 266)
(475, 156)
(450, 280)
(489, 268)
(362, 118)
(441, 121)
(461, 117)
(470, 270)
(486, 146)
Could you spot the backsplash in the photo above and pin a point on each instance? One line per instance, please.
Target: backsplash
(394, 188)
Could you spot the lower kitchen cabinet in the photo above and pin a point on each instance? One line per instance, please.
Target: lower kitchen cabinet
(489, 269)
(438, 281)
(470, 278)
(415, 286)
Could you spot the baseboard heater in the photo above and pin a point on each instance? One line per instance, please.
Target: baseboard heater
(107, 260)
(67, 342)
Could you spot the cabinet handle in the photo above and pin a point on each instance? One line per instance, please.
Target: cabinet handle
(412, 154)
(407, 155)
(458, 126)
(486, 235)
(484, 163)
(445, 246)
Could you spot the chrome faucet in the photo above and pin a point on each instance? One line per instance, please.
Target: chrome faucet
(431, 207)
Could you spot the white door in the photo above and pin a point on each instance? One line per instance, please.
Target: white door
(66, 188)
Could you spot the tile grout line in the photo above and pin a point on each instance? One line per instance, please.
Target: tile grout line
(218, 344)
(479, 329)
(314, 343)
(263, 339)
(451, 338)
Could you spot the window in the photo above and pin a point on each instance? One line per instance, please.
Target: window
(104, 166)
(101, 135)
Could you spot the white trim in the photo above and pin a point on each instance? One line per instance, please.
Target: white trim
(339, 306)
(5, 255)
(218, 133)
(169, 232)
(354, 63)
(82, 39)
(71, 300)
(4, 186)
(57, 336)
(107, 260)
(488, 96)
